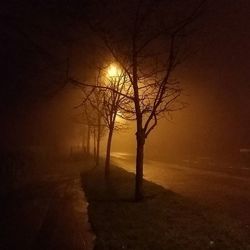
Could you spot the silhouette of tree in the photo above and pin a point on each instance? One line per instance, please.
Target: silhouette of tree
(106, 98)
(147, 39)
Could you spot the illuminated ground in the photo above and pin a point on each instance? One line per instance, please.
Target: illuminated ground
(225, 193)
(164, 220)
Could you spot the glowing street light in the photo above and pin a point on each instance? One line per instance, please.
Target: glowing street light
(113, 71)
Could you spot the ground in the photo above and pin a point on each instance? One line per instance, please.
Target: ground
(224, 190)
(47, 212)
(184, 208)
(165, 220)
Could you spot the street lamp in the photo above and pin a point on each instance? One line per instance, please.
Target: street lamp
(113, 71)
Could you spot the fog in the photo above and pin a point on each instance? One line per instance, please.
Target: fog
(119, 114)
(214, 78)
(213, 124)
(205, 128)
(51, 124)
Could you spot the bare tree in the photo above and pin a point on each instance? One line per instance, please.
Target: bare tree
(91, 118)
(147, 39)
(87, 117)
(88, 125)
(113, 100)
(96, 105)
(106, 97)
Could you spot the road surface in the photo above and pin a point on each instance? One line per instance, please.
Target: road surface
(225, 193)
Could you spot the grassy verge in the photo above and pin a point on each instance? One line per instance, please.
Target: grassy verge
(165, 220)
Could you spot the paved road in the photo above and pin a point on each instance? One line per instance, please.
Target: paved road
(48, 214)
(223, 192)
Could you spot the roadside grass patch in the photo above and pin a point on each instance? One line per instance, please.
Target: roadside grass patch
(163, 221)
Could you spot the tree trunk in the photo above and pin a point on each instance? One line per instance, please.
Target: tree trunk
(84, 140)
(108, 150)
(139, 167)
(98, 139)
(94, 144)
(88, 141)
(140, 134)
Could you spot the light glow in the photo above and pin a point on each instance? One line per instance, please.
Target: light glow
(113, 71)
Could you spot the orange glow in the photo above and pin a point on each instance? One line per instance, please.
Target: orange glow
(118, 117)
(113, 71)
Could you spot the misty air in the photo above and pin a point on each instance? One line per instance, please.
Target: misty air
(125, 125)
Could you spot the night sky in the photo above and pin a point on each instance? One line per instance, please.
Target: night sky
(35, 37)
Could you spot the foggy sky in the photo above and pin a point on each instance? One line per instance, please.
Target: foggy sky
(216, 80)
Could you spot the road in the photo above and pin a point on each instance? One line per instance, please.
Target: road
(225, 193)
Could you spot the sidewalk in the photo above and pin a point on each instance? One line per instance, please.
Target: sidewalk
(51, 214)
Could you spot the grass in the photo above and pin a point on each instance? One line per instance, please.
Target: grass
(164, 220)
